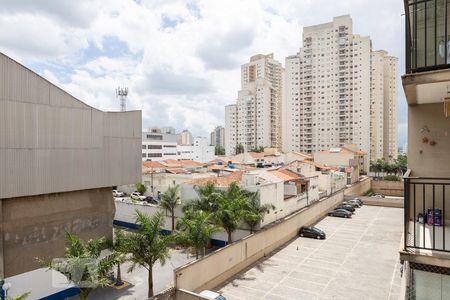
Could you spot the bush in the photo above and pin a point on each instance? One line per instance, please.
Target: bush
(141, 188)
(391, 178)
(368, 193)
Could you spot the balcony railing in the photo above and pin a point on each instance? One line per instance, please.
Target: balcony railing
(427, 35)
(426, 210)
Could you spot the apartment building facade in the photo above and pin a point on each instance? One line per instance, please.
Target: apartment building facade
(328, 90)
(199, 151)
(185, 138)
(255, 118)
(426, 248)
(383, 107)
(218, 137)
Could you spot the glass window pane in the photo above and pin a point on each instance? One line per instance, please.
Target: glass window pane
(420, 34)
(440, 32)
(430, 19)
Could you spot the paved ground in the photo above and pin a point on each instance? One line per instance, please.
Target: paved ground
(358, 260)
(162, 279)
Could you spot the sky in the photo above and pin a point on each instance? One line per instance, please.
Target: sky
(179, 59)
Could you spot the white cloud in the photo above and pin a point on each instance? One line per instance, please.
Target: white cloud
(181, 59)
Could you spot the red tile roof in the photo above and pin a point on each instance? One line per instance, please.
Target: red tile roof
(220, 181)
(153, 164)
(173, 163)
(285, 174)
(256, 154)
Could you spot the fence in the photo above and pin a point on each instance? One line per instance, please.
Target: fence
(213, 269)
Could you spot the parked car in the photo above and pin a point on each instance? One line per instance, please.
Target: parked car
(212, 295)
(355, 205)
(117, 193)
(358, 200)
(377, 196)
(149, 199)
(342, 213)
(348, 207)
(137, 196)
(312, 232)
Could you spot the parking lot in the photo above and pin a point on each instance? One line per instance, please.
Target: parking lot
(358, 260)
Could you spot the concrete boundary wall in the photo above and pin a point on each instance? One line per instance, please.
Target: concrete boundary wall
(359, 188)
(388, 188)
(215, 268)
(386, 202)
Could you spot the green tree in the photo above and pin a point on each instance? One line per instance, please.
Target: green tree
(239, 149)
(141, 188)
(402, 163)
(254, 212)
(195, 230)
(219, 150)
(147, 246)
(230, 209)
(120, 247)
(83, 259)
(169, 200)
(207, 200)
(259, 149)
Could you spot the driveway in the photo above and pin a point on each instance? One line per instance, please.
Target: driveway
(162, 279)
(358, 260)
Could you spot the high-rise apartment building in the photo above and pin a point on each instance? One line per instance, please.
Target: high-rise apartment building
(255, 119)
(218, 137)
(383, 109)
(328, 90)
(185, 138)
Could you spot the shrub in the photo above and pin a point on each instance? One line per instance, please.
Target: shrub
(391, 178)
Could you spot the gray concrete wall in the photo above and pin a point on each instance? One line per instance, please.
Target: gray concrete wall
(213, 269)
(359, 188)
(423, 159)
(52, 142)
(386, 202)
(34, 226)
(388, 188)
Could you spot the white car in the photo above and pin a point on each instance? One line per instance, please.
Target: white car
(137, 196)
(117, 193)
(212, 295)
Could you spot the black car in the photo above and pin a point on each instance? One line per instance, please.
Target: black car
(149, 199)
(355, 205)
(312, 232)
(346, 207)
(342, 213)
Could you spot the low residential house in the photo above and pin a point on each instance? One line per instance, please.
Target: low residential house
(289, 157)
(330, 179)
(347, 159)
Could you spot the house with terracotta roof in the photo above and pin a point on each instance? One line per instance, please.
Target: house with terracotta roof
(347, 159)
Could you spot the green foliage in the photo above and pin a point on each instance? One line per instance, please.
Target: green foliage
(195, 230)
(141, 188)
(207, 199)
(219, 150)
(391, 178)
(147, 245)
(84, 258)
(254, 212)
(368, 193)
(120, 247)
(398, 167)
(239, 149)
(259, 149)
(169, 200)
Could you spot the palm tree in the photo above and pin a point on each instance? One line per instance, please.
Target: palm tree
(230, 210)
(195, 230)
(208, 197)
(169, 200)
(83, 265)
(254, 211)
(119, 246)
(148, 246)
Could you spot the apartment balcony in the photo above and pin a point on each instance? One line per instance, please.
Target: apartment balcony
(427, 213)
(427, 51)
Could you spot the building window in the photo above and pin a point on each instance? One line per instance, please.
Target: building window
(154, 137)
(154, 155)
(144, 147)
(154, 146)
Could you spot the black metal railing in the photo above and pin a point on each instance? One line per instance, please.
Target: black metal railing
(425, 213)
(427, 29)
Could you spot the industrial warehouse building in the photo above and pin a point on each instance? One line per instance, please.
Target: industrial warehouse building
(59, 159)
